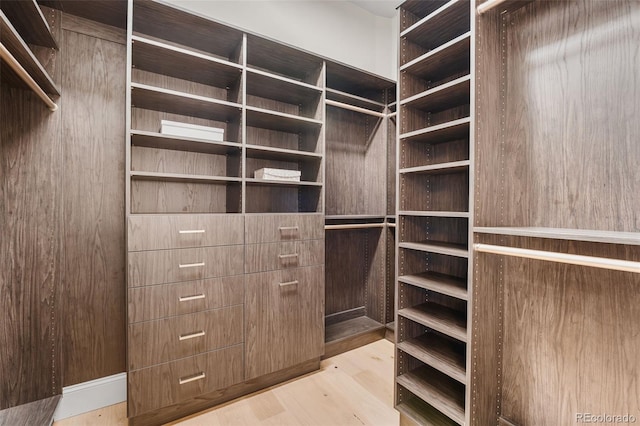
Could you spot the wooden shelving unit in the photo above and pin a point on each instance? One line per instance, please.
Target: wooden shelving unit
(29, 21)
(434, 205)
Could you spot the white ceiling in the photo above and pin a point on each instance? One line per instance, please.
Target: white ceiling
(385, 8)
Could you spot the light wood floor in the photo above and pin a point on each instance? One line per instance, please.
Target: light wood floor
(353, 388)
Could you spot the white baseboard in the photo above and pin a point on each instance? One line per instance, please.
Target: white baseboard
(92, 395)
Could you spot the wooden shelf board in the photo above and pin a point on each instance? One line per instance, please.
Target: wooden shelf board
(165, 100)
(27, 18)
(266, 119)
(265, 182)
(165, 59)
(350, 328)
(441, 168)
(355, 217)
(449, 249)
(437, 390)
(10, 38)
(445, 96)
(348, 98)
(177, 143)
(448, 59)
(440, 283)
(421, 8)
(439, 352)
(441, 25)
(611, 237)
(423, 414)
(280, 154)
(433, 213)
(357, 82)
(439, 318)
(272, 86)
(451, 130)
(183, 178)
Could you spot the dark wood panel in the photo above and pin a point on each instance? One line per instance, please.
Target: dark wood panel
(34, 413)
(150, 196)
(357, 82)
(94, 319)
(28, 19)
(442, 25)
(270, 228)
(108, 12)
(293, 254)
(345, 337)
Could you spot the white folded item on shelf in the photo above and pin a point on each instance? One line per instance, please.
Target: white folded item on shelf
(176, 128)
(278, 174)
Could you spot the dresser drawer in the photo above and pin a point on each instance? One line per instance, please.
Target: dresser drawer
(173, 382)
(170, 266)
(159, 341)
(157, 232)
(283, 227)
(160, 301)
(293, 254)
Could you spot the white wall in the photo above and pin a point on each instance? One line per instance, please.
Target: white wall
(335, 29)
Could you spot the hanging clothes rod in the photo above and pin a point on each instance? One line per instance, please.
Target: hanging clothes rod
(356, 226)
(488, 5)
(24, 76)
(354, 108)
(573, 259)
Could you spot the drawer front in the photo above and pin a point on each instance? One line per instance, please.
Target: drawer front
(288, 306)
(159, 341)
(174, 382)
(160, 301)
(294, 254)
(283, 227)
(170, 266)
(158, 232)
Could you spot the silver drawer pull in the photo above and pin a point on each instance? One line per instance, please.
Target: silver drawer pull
(287, 256)
(194, 297)
(288, 283)
(193, 378)
(192, 231)
(288, 228)
(190, 265)
(191, 335)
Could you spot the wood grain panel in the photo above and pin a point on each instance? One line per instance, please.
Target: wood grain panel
(347, 263)
(283, 227)
(176, 197)
(181, 162)
(293, 254)
(163, 266)
(94, 274)
(156, 387)
(423, 192)
(160, 301)
(168, 339)
(284, 323)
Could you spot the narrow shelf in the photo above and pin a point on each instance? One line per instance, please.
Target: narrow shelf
(350, 328)
(441, 168)
(437, 390)
(611, 237)
(177, 143)
(453, 56)
(443, 354)
(432, 213)
(501, 6)
(176, 177)
(441, 25)
(444, 132)
(348, 98)
(359, 217)
(444, 96)
(165, 100)
(12, 41)
(280, 154)
(28, 19)
(423, 413)
(449, 249)
(433, 281)
(266, 119)
(439, 318)
(421, 8)
(265, 182)
(283, 89)
(161, 58)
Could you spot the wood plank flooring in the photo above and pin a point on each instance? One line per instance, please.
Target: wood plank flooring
(353, 388)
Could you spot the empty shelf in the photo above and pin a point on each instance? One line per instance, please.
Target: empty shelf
(444, 96)
(440, 353)
(449, 249)
(441, 168)
(176, 177)
(279, 154)
(266, 119)
(177, 143)
(266, 182)
(433, 281)
(27, 18)
(271, 86)
(432, 213)
(423, 413)
(351, 327)
(439, 318)
(448, 59)
(451, 130)
(348, 98)
(440, 26)
(611, 237)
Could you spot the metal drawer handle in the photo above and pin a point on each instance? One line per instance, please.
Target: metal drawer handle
(288, 283)
(187, 379)
(287, 256)
(192, 231)
(190, 265)
(194, 297)
(289, 228)
(191, 335)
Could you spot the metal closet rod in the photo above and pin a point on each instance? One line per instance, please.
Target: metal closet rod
(573, 259)
(354, 108)
(488, 5)
(24, 76)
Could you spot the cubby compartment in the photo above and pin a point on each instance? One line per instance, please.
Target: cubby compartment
(446, 231)
(414, 10)
(421, 120)
(308, 166)
(418, 153)
(164, 161)
(263, 196)
(184, 194)
(444, 190)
